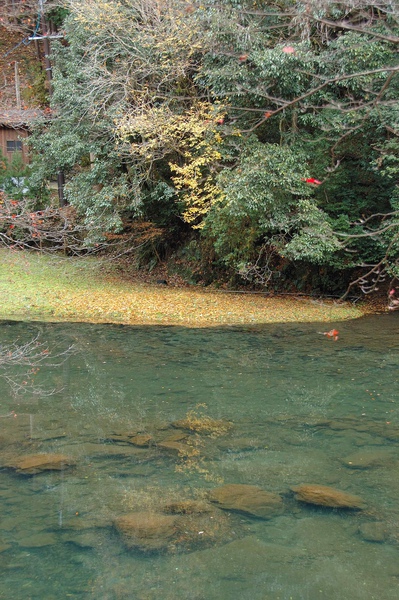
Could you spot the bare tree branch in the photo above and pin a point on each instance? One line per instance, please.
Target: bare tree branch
(31, 356)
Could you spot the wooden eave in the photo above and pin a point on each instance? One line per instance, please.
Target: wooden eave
(19, 119)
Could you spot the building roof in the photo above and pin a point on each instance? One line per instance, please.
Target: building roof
(19, 119)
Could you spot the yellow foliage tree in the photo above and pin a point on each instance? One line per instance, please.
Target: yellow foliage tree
(191, 139)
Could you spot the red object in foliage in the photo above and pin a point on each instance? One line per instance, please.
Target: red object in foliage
(243, 57)
(332, 334)
(220, 121)
(289, 50)
(312, 180)
(267, 115)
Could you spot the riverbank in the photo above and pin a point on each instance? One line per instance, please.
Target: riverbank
(54, 288)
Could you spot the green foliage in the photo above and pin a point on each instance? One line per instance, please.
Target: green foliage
(216, 114)
(57, 15)
(268, 210)
(110, 131)
(12, 168)
(266, 182)
(16, 178)
(35, 93)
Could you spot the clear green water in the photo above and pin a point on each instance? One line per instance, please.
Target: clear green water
(304, 409)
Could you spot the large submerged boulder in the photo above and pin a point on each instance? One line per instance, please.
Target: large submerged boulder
(188, 525)
(323, 495)
(248, 499)
(146, 531)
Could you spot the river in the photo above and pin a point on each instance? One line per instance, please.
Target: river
(150, 421)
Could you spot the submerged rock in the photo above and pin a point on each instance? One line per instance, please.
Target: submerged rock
(369, 459)
(37, 463)
(142, 440)
(146, 531)
(241, 444)
(4, 547)
(39, 540)
(248, 499)
(375, 428)
(187, 507)
(188, 525)
(177, 436)
(322, 495)
(203, 424)
(374, 532)
(177, 448)
(82, 539)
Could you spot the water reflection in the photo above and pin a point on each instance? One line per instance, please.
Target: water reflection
(106, 483)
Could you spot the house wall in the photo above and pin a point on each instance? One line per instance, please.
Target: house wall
(7, 134)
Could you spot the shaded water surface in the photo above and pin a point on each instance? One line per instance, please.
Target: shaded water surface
(275, 407)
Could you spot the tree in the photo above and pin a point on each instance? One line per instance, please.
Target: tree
(322, 78)
(270, 128)
(122, 88)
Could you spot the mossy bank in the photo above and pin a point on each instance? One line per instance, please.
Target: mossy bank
(53, 288)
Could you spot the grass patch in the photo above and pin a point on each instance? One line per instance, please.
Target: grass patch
(41, 287)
